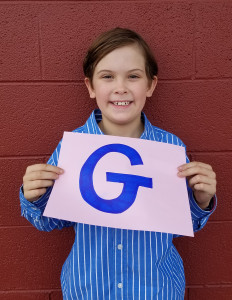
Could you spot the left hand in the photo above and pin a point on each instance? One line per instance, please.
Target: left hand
(202, 180)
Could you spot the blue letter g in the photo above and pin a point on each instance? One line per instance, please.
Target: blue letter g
(131, 182)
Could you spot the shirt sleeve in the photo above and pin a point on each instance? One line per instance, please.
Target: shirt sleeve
(33, 211)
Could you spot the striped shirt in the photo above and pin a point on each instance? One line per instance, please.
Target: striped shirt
(108, 263)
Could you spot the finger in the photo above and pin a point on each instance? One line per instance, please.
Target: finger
(204, 187)
(36, 175)
(194, 164)
(201, 179)
(37, 184)
(197, 169)
(44, 167)
(34, 194)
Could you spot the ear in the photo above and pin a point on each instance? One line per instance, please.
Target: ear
(90, 88)
(152, 86)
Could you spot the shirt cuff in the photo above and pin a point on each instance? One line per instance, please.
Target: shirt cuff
(34, 208)
(197, 210)
(199, 215)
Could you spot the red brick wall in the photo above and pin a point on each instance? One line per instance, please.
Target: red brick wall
(42, 44)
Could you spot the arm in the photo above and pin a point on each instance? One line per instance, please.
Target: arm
(34, 194)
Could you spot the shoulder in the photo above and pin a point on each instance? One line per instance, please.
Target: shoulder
(80, 129)
(166, 137)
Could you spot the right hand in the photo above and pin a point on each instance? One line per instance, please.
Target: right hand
(37, 178)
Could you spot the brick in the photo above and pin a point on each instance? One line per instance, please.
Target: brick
(12, 171)
(222, 165)
(67, 31)
(36, 116)
(213, 40)
(212, 293)
(207, 257)
(19, 295)
(57, 295)
(19, 51)
(198, 112)
(31, 259)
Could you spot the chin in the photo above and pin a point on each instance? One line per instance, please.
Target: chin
(122, 122)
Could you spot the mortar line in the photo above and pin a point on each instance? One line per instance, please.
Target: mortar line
(40, 50)
(30, 226)
(92, 2)
(24, 156)
(48, 154)
(109, 1)
(42, 82)
(219, 221)
(106, 1)
(81, 81)
(16, 226)
(29, 291)
(194, 42)
(209, 152)
(209, 285)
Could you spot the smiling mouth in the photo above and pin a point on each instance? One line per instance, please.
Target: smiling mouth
(121, 103)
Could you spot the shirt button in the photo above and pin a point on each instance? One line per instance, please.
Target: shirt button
(120, 285)
(119, 246)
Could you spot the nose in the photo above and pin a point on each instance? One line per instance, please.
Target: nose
(120, 87)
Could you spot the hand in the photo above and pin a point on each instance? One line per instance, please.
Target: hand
(202, 180)
(37, 178)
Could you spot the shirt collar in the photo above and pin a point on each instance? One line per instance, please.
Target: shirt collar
(92, 127)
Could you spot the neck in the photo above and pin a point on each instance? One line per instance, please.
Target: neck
(129, 130)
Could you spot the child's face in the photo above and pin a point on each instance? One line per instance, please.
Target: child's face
(120, 86)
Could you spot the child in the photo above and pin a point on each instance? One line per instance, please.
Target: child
(108, 263)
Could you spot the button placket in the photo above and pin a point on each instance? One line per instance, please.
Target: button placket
(119, 261)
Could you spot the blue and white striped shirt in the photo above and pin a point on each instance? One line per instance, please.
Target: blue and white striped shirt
(108, 263)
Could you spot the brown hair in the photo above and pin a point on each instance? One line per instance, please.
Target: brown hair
(113, 39)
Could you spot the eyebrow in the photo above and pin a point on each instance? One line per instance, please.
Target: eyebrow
(133, 70)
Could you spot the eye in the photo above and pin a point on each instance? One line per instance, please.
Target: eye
(133, 76)
(107, 76)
